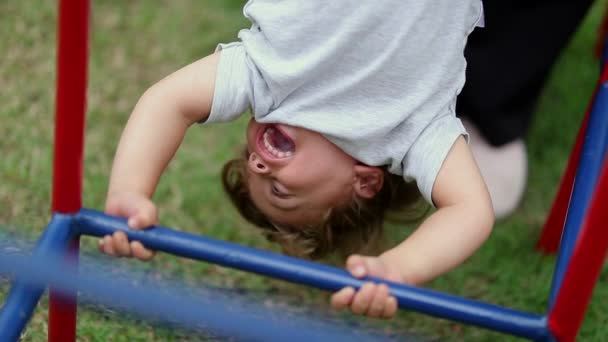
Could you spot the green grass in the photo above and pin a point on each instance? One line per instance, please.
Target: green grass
(136, 43)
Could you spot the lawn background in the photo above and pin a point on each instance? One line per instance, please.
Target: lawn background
(134, 44)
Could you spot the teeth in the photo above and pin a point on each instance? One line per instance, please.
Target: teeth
(272, 149)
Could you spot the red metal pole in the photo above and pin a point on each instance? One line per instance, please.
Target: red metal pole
(554, 225)
(584, 269)
(72, 61)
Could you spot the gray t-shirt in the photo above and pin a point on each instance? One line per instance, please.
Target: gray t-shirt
(378, 78)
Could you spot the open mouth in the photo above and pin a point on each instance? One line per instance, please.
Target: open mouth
(276, 143)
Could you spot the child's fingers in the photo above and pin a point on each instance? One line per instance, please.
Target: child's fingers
(121, 244)
(355, 264)
(363, 298)
(390, 308)
(342, 299)
(100, 245)
(146, 215)
(118, 245)
(140, 252)
(106, 245)
(133, 222)
(138, 209)
(364, 266)
(376, 307)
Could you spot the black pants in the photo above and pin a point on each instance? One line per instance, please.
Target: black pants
(509, 60)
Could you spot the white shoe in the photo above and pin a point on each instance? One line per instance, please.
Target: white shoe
(504, 169)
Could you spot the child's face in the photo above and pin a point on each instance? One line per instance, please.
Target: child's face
(295, 175)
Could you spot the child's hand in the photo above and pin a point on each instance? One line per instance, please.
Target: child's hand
(140, 212)
(373, 300)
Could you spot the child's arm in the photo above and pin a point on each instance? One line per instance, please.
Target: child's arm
(463, 221)
(151, 137)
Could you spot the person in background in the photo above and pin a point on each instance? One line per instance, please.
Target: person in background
(507, 65)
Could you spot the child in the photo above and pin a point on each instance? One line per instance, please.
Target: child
(342, 93)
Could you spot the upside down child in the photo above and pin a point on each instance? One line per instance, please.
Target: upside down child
(352, 115)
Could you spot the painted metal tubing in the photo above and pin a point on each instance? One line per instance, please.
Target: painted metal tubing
(222, 317)
(553, 228)
(554, 225)
(590, 165)
(23, 296)
(585, 266)
(70, 109)
(90, 222)
(70, 104)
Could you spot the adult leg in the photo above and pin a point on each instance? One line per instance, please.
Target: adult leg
(508, 63)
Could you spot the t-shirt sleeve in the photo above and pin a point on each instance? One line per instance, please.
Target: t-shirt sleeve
(425, 158)
(232, 94)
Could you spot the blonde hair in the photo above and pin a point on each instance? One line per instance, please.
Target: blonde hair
(356, 227)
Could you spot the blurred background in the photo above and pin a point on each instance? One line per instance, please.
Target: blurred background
(136, 43)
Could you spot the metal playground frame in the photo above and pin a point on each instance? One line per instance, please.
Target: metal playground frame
(576, 226)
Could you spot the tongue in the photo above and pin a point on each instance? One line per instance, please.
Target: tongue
(280, 141)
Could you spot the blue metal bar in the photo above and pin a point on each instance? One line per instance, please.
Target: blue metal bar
(23, 296)
(590, 165)
(321, 276)
(218, 316)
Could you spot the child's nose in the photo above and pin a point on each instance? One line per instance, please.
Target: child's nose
(257, 164)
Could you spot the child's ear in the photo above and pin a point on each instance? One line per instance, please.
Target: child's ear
(368, 180)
